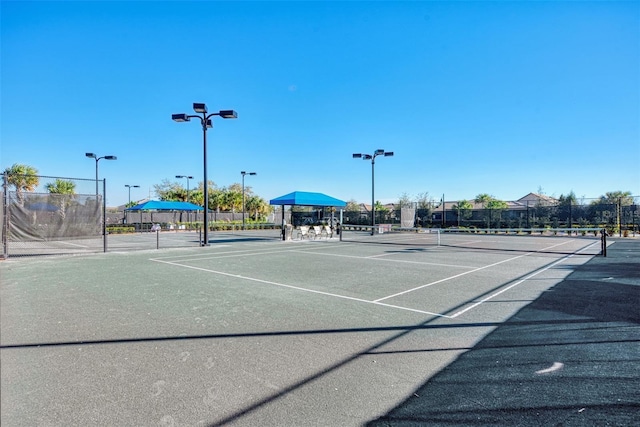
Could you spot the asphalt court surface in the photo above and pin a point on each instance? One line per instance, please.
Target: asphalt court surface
(258, 332)
(432, 280)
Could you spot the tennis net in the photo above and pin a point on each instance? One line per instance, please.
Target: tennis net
(387, 234)
(584, 241)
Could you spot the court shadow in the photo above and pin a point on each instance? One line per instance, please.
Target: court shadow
(568, 358)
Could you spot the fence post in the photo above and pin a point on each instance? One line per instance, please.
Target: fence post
(5, 217)
(104, 214)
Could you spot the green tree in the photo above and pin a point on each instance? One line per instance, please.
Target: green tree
(496, 206)
(614, 197)
(404, 201)
(23, 178)
(566, 208)
(483, 199)
(423, 200)
(258, 206)
(463, 210)
(232, 200)
(609, 208)
(170, 191)
(569, 199)
(61, 186)
(352, 206)
(491, 204)
(381, 212)
(65, 191)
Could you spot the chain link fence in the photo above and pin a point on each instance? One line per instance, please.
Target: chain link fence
(621, 217)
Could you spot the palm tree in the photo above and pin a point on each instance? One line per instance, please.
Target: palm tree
(65, 190)
(23, 178)
(257, 205)
(61, 186)
(464, 208)
(483, 199)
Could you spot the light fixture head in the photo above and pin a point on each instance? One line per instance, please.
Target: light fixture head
(252, 173)
(209, 123)
(379, 152)
(357, 155)
(200, 108)
(110, 158)
(92, 155)
(228, 114)
(180, 118)
(367, 157)
(388, 154)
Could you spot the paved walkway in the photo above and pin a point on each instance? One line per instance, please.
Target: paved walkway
(571, 358)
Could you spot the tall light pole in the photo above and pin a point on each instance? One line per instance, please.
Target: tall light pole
(93, 156)
(130, 187)
(205, 120)
(372, 157)
(243, 173)
(188, 178)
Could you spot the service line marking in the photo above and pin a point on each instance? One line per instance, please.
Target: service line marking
(464, 273)
(297, 288)
(535, 273)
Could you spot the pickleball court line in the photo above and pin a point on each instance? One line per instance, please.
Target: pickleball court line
(535, 273)
(297, 288)
(465, 273)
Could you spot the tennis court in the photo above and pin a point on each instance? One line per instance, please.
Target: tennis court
(252, 331)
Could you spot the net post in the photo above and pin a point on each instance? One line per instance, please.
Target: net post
(603, 242)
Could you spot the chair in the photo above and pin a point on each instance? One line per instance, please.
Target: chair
(317, 231)
(327, 231)
(303, 232)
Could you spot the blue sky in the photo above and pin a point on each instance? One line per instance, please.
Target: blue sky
(504, 98)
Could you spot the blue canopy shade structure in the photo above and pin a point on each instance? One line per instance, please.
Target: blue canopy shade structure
(157, 205)
(303, 198)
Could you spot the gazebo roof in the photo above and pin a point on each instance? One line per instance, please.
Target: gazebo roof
(304, 198)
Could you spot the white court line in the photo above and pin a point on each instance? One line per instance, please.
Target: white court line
(518, 282)
(465, 273)
(297, 288)
(385, 260)
(374, 302)
(508, 287)
(72, 244)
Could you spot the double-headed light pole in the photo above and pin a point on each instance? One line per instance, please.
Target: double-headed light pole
(93, 156)
(188, 178)
(205, 120)
(130, 187)
(243, 173)
(372, 157)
